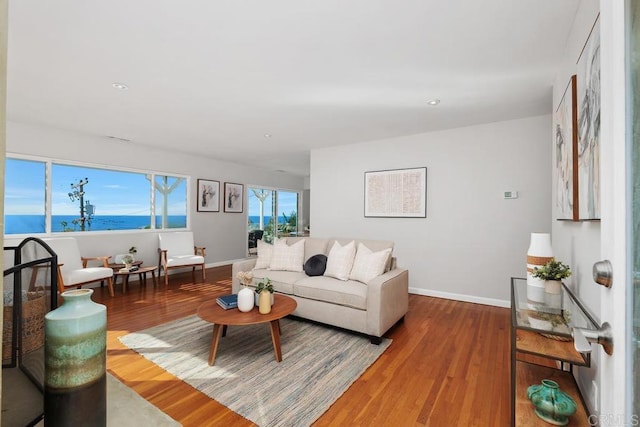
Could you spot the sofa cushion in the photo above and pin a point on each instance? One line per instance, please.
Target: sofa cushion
(287, 258)
(374, 245)
(282, 281)
(316, 265)
(340, 260)
(265, 250)
(322, 288)
(312, 245)
(367, 264)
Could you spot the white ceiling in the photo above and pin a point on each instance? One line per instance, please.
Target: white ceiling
(212, 77)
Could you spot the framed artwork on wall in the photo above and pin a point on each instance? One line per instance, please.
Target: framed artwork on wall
(588, 88)
(566, 141)
(233, 197)
(396, 193)
(208, 196)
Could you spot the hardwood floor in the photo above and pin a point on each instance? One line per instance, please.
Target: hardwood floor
(448, 364)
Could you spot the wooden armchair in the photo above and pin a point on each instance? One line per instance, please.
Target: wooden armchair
(177, 250)
(73, 270)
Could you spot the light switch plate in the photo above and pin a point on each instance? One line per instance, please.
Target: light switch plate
(510, 194)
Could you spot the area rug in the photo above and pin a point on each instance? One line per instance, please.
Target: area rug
(318, 365)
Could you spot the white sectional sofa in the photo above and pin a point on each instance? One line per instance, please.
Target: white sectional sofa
(361, 289)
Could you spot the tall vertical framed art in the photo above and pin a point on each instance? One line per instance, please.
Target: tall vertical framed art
(233, 197)
(566, 144)
(588, 88)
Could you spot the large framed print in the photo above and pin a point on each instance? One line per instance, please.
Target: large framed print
(589, 127)
(208, 196)
(566, 141)
(396, 193)
(233, 197)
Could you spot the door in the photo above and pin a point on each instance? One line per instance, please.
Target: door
(620, 207)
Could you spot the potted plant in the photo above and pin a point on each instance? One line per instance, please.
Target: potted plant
(133, 250)
(552, 273)
(128, 260)
(264, 291)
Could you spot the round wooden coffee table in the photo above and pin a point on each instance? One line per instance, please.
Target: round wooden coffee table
(211, 312)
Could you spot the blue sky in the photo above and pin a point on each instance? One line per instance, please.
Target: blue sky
(111, 192)
(287, 203)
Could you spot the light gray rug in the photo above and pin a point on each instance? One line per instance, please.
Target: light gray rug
(318, 366)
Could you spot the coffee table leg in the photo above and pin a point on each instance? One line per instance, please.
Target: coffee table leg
(217, 331)
(275, 337)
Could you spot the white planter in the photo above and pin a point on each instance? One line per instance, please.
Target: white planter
(552, 286)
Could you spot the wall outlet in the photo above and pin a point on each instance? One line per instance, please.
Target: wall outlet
(510, 194)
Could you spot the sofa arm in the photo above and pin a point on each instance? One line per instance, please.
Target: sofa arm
(238, 266)
(387, 300)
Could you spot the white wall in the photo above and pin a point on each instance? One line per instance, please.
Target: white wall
(473, 240)
(223, 234)
(578, 243)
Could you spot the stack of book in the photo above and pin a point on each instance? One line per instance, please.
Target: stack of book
(228, 301)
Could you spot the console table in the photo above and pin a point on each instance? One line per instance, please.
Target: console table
(535, 356)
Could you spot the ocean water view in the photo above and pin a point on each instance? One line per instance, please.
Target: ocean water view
(27, 224)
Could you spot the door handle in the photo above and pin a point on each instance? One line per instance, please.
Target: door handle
(603, 273)
(582, 338)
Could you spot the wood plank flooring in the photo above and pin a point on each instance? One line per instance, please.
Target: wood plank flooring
(448, 364)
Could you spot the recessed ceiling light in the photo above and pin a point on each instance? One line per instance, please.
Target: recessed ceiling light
(120, 86)
(435, 101)
(267, 135)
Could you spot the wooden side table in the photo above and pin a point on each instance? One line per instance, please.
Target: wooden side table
(142, 276)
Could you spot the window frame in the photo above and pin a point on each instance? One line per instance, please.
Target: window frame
(49, 162)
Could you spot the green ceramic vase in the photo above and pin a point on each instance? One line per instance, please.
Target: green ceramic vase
(551, 404)
(75, 362)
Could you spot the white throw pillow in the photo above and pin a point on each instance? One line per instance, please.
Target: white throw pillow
(287, 258)
(340, 260)
(265, 250)
(367, 264)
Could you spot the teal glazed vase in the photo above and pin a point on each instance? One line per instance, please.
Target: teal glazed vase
(551, 404)
(75, 376)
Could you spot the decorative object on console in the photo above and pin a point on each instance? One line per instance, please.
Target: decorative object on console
(538, 254)
(75, 368)
(233, 197)
(552, 273)
(551, 404)
(208, 196)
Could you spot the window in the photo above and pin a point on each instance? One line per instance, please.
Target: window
(274, 211)
(24, 196)
(84, 199)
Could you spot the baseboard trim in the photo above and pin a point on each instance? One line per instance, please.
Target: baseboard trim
(461, 297)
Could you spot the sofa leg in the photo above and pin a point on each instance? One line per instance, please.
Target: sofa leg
(375, 340)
